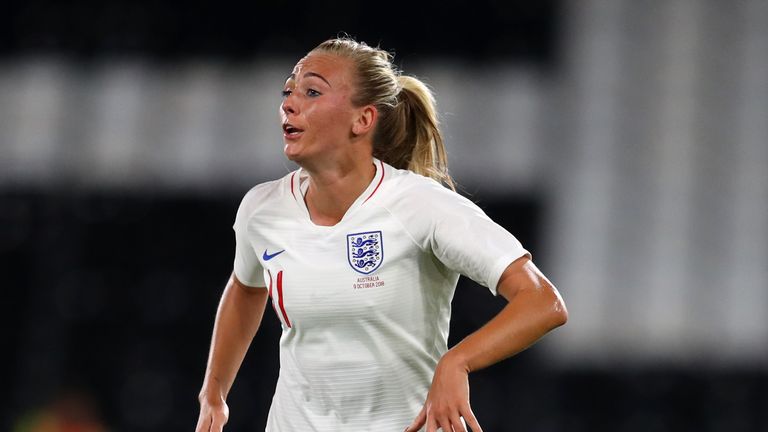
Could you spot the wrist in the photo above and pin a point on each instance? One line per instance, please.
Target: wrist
(211, 396)
(455, 359)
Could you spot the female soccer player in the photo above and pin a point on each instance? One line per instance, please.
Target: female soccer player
(360, 250)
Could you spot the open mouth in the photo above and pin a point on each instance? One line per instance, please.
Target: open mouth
(291, 131)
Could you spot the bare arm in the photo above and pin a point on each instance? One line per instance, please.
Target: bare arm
(535, 307)
(237, 320)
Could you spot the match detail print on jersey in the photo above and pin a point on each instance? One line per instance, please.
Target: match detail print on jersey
(365, 251)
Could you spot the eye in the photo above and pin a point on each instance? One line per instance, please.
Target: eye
(313, 93)
(286, 93)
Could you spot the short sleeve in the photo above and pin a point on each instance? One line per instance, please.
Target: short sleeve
(467, 241)
(247, 267)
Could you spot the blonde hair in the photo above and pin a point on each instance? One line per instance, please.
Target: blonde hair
(407, 135)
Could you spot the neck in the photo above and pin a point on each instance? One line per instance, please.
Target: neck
(334, 187)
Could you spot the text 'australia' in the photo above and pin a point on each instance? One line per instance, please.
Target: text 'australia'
(368, 282)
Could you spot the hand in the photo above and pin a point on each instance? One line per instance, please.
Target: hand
(213, 416)
(447, 401)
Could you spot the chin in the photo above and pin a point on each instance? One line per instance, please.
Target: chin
(292, 152)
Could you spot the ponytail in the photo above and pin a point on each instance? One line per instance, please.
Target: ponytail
(407, 135)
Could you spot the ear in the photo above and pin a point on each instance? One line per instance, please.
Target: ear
(365, 120)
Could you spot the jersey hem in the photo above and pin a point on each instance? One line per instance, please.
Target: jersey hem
(249, 283)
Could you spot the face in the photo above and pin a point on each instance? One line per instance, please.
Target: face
(317, 114)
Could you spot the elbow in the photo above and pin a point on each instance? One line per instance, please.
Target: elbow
(559, 313)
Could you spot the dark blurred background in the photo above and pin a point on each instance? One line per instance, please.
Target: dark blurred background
(625, 143)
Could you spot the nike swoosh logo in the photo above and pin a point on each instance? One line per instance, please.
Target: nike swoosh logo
(268, 257)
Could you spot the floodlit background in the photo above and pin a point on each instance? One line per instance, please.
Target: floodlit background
(625, 143)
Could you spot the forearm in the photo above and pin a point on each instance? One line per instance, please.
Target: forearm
(514, 329)
(535, 308)
(237, 320)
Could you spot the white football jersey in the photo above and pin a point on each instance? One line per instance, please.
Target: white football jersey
(364, 304)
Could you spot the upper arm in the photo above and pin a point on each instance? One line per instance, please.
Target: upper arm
(523, 275)
(519, 274)
(247, 266)
(456, 231)
(466, 240)
(253, 298)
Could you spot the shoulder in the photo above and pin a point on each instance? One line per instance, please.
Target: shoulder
(406, 188)
(424, 204)
(265, 193)
(419, 203)
(265, 190)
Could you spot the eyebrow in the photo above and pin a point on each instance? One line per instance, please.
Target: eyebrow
(309, 74)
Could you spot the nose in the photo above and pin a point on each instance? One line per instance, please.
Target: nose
(288, 106)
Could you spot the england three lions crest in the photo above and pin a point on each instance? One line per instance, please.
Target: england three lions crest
(365, 251)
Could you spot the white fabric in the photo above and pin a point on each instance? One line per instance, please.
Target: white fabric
(358, 350)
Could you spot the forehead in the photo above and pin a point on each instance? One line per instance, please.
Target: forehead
(335, 69)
